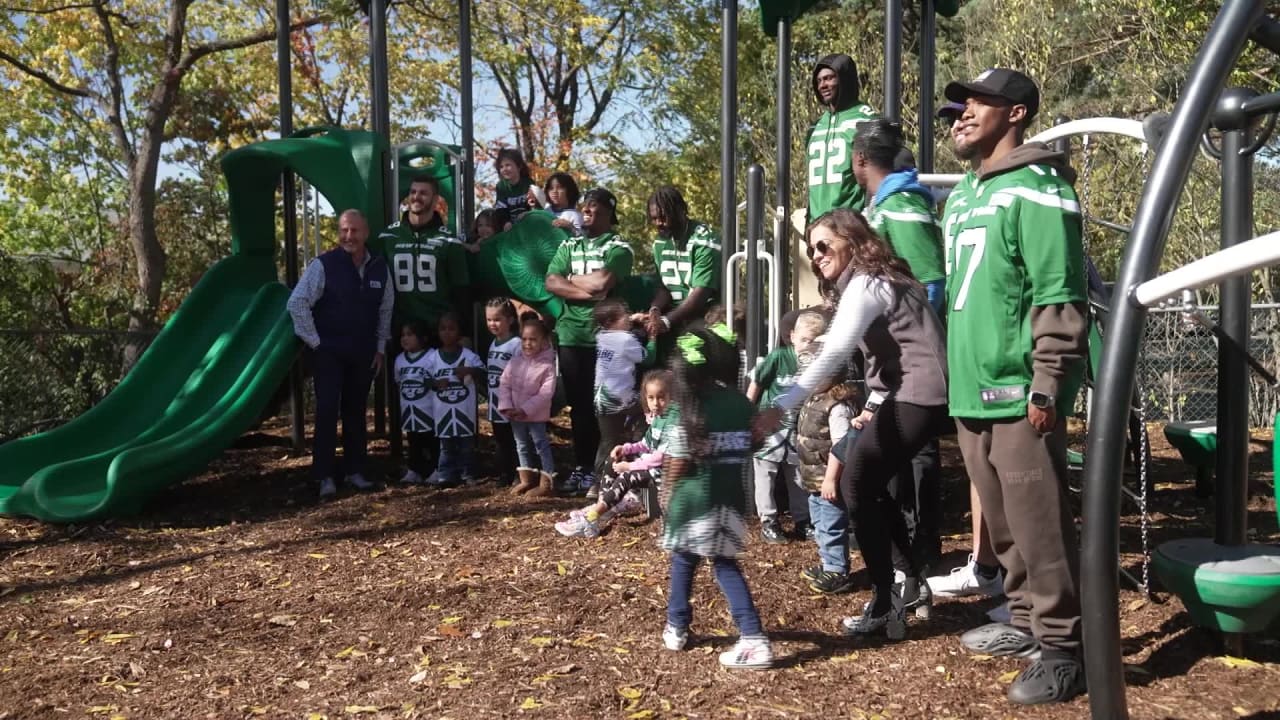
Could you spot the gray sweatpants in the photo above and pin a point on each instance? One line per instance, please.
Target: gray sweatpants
(1021, 477)
(765, 475)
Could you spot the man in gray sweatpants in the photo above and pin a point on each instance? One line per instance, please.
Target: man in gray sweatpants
(1016, 345)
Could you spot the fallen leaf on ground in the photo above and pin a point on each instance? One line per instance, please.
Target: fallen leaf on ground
(1236, 662)
(503, 623)
(630, 693)
(1009, 676)
(541, 641)
(361, 709)
(530, 704)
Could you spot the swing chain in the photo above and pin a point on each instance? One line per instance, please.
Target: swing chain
(1144, 452)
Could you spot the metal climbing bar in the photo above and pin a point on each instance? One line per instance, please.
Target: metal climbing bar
(1106, 444)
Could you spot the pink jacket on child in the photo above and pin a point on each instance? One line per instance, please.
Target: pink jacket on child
(528, 384)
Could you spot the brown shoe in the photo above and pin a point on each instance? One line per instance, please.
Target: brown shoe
(545, 487)
(528, 481)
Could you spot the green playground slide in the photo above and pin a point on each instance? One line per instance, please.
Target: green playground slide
(205, 379)
(212, 370)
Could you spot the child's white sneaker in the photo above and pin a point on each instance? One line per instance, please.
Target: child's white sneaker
(578, 527)
(752, 653)
(411, 478)
(674, 638)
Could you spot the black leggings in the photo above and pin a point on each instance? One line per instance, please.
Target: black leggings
(506, 457)
(615, 487)
(578, 368)
(884, 447)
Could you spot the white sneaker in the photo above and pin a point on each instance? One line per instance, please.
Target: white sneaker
(674, 638)
(411, 478)
(965, 580)
(328, 488)
(357, 481)
(750, 652)
(433, 478)
(1001, 614)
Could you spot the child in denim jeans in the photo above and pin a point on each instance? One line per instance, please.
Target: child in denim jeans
(454, 371)
(822, 431)
(524, 397)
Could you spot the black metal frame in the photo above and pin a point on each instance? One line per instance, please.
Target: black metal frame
(1105, 447)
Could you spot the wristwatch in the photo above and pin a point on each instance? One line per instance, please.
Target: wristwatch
(1044, 401)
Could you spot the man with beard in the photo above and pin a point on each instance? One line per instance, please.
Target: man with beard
(429, 271)
(1014, 253)
(830, 146)
(688, 257)
(428, 264)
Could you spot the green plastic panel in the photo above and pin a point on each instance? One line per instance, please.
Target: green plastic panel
(214, 367)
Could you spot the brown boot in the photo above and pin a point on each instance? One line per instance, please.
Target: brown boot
(528, 481)
(545, 488)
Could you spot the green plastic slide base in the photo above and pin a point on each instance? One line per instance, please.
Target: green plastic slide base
(1229, 589)
(1197, 442)
(205, 379)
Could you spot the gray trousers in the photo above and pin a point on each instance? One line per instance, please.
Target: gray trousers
(1021, 477)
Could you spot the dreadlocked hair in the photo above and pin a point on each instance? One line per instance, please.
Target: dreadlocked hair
(872, 256)
(879, 141)
(693, 381)
(671, 205)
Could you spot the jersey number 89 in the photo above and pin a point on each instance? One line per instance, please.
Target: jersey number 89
(415, 273)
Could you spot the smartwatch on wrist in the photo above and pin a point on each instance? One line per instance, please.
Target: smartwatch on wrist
(1044, 401)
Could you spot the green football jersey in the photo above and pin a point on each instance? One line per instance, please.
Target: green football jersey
(580, 256)
(774, 375)
(427, 267)
(697, 265)
(830, 167)
(907, 222)
(1013, 242)
(705, 512)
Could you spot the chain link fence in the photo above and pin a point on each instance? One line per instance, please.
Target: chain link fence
(50, 377)
(1178, 366)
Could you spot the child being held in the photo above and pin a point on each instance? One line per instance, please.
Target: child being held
(635, 466)
(618, 352)
(414, 381)
(453, 371)
(524, 397)
(775, 462)
(821, 430)
(483, 227)
(704, 480)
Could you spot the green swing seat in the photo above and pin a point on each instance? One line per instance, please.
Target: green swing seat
(1232, 589)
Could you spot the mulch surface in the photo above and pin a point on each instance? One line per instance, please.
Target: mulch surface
(238, 594)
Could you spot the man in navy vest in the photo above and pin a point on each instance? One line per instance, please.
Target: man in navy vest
(341, 309)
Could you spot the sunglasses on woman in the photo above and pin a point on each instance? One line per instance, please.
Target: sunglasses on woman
(819, 248)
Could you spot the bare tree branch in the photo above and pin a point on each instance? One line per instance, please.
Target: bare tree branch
(45, 78)
(198, 51)
(114, 104)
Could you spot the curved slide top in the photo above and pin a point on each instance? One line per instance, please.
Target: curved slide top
(212, 370)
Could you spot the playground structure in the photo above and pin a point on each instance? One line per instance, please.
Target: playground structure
(211, 371)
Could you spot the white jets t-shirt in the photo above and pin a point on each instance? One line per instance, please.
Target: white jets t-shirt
(415, 392)
(499, 355)
(453, 409)
(617, 354)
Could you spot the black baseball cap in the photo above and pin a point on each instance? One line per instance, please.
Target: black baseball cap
(950, 111)
(1003, 83)
(603, 197)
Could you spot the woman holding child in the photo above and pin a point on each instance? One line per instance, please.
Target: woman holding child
(883, 310)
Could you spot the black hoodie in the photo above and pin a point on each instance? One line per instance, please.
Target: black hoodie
(830, 144)
(847, 71)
